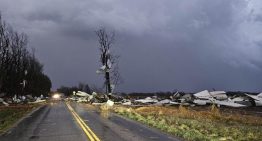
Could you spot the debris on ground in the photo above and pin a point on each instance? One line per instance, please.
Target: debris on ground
(20, 99)
(218, 98)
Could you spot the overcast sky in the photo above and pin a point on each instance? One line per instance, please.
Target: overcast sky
(188, 45)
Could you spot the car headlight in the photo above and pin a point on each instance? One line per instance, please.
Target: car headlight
(56, 96)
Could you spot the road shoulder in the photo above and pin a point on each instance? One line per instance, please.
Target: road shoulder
(19, 121)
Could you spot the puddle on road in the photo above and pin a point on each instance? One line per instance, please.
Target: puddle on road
(34, 137)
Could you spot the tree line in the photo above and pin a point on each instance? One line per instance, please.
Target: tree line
(20, 71)
(68, 91)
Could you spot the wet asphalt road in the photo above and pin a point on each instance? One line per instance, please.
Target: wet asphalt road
(51, 123)
(54, 122)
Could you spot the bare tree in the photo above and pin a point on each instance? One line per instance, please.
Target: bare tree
(108, 60)
(16, 61)
(4, 50)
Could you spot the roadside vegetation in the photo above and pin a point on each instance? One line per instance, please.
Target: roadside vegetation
(189, 124)
(10, 115)
(21, 73)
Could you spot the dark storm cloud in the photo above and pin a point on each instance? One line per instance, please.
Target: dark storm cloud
(258, 18)
(45, 16)
(165, 45)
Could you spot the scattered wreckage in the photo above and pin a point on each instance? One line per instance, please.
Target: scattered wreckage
(6, 101)
(256, 98)
(219, 98)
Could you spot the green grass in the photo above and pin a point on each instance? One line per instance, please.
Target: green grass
(197, 126)
(9, 115)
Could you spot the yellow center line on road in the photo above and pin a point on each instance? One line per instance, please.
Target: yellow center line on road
(90, 134)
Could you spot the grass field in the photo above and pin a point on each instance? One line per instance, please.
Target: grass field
(9, 115)
(206, 125)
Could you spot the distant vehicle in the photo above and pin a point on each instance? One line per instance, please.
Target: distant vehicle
(57, 96)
